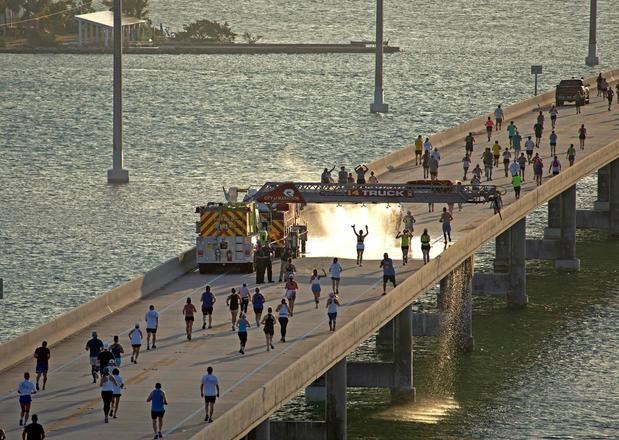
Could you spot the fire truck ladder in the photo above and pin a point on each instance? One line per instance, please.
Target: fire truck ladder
(427, 192)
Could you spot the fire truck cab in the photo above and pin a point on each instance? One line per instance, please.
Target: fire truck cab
(226, 236)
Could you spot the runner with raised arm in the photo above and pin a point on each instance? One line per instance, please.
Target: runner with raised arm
(360, 245)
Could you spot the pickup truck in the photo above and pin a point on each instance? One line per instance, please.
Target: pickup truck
(567, 91)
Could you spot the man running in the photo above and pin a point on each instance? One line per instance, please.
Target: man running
(496, 153)
(233, 302)
(94, 346)
(209, 389)
(511, 131)
(609, 95)
(433, 167)
(498, 117)
(25, 389)
(360, 245)
(152, 323)
(538, 129)
(571, 156)
(245, 297)
(516, 139)
(553, 143)
(117, 350)
(522, 161)
(466, 164)
(208, 301)
(42, 355)
(469, 141)
(258, 303)
(388, 272)
(105, 356)
(538, 169)
(268, 326)
(158, 400)
(488, 160)
(425, 159)
(529, 145)
(553, 116)
(514, 168)
(405, 237)
(135, 337)
(409, 221)
(516, 183)
(336, 273)
(418, 149)
(582, 135)
(489, 127)
(446, 219)
(33, 431)
(188, 311)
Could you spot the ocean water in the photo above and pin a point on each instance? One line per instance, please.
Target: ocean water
(195, 123)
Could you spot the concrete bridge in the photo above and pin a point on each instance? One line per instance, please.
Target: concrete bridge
(258, 383)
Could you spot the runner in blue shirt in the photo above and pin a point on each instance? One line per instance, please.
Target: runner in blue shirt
(388, 272)
(158, 400)
(258, 302)
(208, 300)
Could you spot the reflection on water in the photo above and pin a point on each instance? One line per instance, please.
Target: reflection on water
(424, 410)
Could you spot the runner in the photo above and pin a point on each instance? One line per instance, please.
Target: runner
(94, 346)
(373, 178)
(117, 350)
(511, 131)
(209, 389)
(208, 301)
(325, 177)
(118, 385)
(289, 269)
(540, 118)
(427, 146)
(405, 237)
(242, 326)
(446, 219)
(435, 154)
(580, 98)
(553, 143)
(105, 357)
(283, 257)
(522, 161)
(529, 145)
(609, 95)
(498, 117)
(107, 391)
(516, 182)
(425, 164)
(466, 163)
(135, 336)
(475, 183)
(506, 160)
(582, 135)
(291, 293)
(497, 203)
(25, 389)
(477, 171)
(336, 272)
(418, 149)
(315, 283)
(571, 154)
(514, 168)
(268, 323)
(42, 355)
(245, 297)
(33, 431)
(332, 304)
(158, 400)
(152, 323)
(433, 167)
(516, 139)
(409, 221)
(283, 312)
(496, 153)
(598, 81)
(388, 272)
(257, 301)
(553, 116)
(489, 127)
(361, 170)
(425, 246)
(469, 141)
(360, 246)
(488, 160)
(555, 166)
(538, 169)
(233, 301)
(538, 129)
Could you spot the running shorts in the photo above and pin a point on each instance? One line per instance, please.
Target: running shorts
(151, 330)
(332, 316)
(405, 249)
(156, 414)
(388, 278)
(188, 318)
(41, 368)
(242, 337)
(25, 399)
(258, 309)
(210, 399)
(570, 157)
(291, 294)
(446, 227)
(207, 310)
(360, 246)
(315, 288)
(94, 361)
(136, 345)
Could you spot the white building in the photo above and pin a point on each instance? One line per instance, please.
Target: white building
(97, 28)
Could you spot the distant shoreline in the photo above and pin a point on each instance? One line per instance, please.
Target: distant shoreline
(212, 49)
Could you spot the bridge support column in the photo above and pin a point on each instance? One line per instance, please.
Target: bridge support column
(261, 432)
(502, 252)
(336, 401)
(613, 229)
(517, 293)
(567, 243)
(553, 230)
(402, 389)
(601, 204)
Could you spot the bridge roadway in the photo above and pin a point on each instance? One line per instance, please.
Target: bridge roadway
(256, 384)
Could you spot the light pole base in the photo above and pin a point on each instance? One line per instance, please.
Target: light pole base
(117, 176)
(592, 60)
(379, 107)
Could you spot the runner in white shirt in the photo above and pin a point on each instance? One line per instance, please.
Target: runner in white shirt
(152, 323)
(336, 271)
(25, 389)
(427, 145)
(245, 297)
(209, 389)
(118, 385)
(135, 336)
(514, 168)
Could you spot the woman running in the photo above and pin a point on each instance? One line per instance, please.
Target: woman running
(405, 237)
(135, 336)
(425, 246)
(582, 135)
(107, 391)
(242, 325)
(315, 282)
(258, 303)
(332, 304)
(291, 292)
(233, 302)
(118, 385)
(336, 272)
(283, 312)
(360, 246)
(289, 269)
(189, 310)
(268, 323)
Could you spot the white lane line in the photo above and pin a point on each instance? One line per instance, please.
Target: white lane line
(81, 355)
(272, 358)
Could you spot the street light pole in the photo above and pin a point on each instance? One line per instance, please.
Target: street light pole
(592, 58)
(378, 106)
(117, 174)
